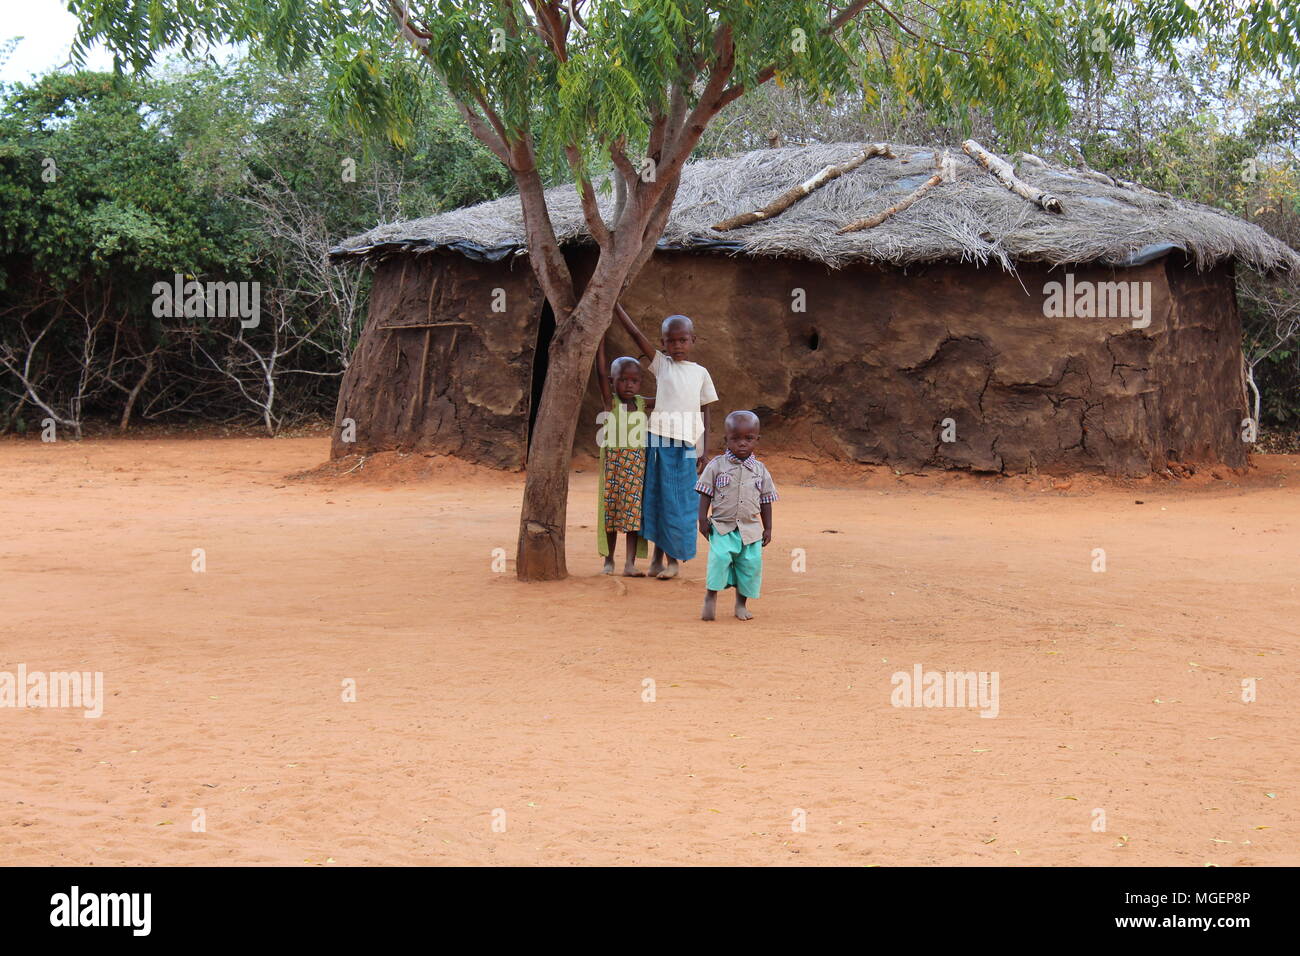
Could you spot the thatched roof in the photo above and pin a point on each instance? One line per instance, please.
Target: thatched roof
(971, 219)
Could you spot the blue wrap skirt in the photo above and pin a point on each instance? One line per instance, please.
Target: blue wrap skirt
(670, 508)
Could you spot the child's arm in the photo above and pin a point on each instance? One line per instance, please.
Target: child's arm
(643, 343)
(705, 487)
(765, 499)
(602, 374)
(702, 458)
(708, 395)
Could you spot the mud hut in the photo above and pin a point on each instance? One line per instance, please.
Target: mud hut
(983, 316)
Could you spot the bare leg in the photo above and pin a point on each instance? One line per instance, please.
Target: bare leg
(657, 562)
(611, 539)
(630, 569)
(742, 612)
(710, 610)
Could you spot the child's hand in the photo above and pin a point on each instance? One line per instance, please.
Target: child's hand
(767, 537)
(704, 527)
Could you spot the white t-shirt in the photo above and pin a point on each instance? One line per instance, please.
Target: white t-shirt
(681, 390)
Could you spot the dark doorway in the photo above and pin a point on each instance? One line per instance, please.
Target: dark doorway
(541, 361)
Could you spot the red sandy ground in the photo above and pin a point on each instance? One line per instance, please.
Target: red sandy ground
(1119, 690)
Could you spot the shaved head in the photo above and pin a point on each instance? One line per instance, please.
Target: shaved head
(616, 367)
(677, 322)
(742, 419)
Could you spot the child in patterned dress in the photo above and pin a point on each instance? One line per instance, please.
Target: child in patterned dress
(622, 439)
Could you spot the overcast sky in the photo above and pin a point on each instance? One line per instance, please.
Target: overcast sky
(47, 29)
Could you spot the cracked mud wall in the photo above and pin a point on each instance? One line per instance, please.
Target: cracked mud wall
(1203, 397)
(880, 358)
(437, 370)
(868, 371)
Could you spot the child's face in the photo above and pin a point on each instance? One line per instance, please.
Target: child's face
(742, 438)
(677, 343)
(628, 382)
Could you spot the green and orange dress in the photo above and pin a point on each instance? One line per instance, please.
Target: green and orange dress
(622, 474)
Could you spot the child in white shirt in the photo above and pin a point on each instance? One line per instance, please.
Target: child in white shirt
(679, 433)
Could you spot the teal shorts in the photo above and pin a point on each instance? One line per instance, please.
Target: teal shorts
(733, 564)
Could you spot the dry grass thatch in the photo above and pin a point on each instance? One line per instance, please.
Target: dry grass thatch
(971, 219)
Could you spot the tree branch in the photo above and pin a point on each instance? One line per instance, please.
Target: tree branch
(402, 14)
(590, 208)
(765, 74)
(492, 136)
(551, 269)
(908, 30)
(552, 28)
(678, 148)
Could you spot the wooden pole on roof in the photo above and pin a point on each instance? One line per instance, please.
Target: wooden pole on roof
(791, 196)
(1004, 174)
(943, 172)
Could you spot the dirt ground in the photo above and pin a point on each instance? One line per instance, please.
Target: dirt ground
(482, 700)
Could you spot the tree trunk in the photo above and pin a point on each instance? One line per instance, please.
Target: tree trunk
(540, 553)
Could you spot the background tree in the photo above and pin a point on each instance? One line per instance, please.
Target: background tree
(93, 205)
(217, 171)
(634, 86)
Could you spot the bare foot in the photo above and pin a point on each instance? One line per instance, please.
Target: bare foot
(632, 571)
(609, 566)
(742, 612)
(655, 568)
(668, 573)
(710, 610)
